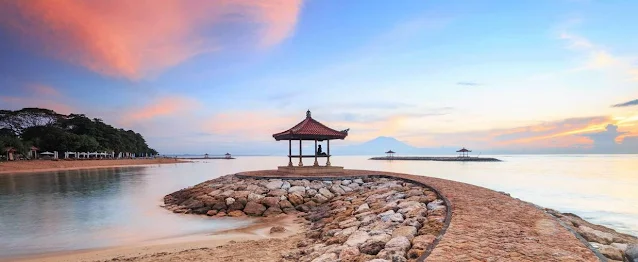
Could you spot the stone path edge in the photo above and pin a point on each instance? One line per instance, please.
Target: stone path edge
(600, 256)
(448, 215)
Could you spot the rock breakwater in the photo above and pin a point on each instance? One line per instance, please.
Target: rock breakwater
(357, 219)
(612, 245)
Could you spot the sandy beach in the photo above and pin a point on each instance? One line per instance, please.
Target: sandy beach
(50, 165)
(219, 246)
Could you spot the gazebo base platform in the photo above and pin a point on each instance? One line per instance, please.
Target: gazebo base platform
(310, 169)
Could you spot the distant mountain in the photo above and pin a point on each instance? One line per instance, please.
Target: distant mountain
(380, 145)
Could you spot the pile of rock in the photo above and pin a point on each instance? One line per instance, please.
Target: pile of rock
(377, 219)
(613, 245)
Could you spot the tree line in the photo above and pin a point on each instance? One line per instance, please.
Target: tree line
(50, 131)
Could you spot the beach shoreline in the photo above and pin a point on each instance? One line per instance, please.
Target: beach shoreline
(35, 166)
(178, 246)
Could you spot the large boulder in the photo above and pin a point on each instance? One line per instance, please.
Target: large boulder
(270, 201)
(254, 209)
(274, 184)
(362, 208)
(326, 193)
(337, 190)
(237, 205)
(192, 204)
(271, 211)
(285, 204)
(610, 252)
(349, 253)
(241, 194)
(320, 198)
(254, 197)
(406, 231)
(398, 243)
(236, 213)
(372, 247)
(298, 189)
(422, 241)
(295, 198)
(593, 235)
(357, 238)
(327, 257)
(632, 252)
(277, 192)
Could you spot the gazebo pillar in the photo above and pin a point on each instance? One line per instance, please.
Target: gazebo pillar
(316, 162)
(289, 152)
(328, 145)
(300, 154)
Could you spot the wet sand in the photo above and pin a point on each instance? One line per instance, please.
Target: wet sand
(238, 244)
(28, 166)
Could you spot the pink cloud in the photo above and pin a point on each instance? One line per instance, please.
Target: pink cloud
(248, 125)
(41, 90)
(162, 107)
(135, 39)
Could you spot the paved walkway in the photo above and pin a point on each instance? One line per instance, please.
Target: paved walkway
(487, 225)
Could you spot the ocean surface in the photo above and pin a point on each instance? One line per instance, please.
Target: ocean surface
(81, 209)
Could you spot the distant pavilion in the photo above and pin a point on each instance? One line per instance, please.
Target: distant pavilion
(464, 152)
(390, 153)
(228, 156)
(313, 130)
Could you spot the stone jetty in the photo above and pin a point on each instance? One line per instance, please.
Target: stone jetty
(437, 158)
(356, 219)
(362, 215)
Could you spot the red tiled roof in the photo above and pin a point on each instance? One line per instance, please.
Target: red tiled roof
(310, 129)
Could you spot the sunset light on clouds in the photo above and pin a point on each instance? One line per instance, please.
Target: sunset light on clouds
(533, 76)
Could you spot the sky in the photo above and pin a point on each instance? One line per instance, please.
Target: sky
(224, 75)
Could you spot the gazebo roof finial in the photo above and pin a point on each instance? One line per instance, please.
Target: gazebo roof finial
(308, 113)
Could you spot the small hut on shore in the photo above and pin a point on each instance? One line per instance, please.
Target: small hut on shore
(464, 152)
(390, 154)
(228, 156)
(10, 153)
(33, 152)
(205, 155)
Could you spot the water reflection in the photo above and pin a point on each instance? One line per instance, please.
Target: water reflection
(70, 210)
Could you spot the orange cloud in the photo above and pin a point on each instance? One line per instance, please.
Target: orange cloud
(166, 106)
(135, 39)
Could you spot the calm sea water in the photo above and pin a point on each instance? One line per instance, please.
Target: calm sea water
(70, 210)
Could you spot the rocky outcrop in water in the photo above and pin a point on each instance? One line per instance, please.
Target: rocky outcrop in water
(613, 245)
(377, 219)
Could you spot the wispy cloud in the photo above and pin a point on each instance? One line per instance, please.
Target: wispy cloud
(136, 39)
(598, 57)
(37, 95)
(626, 104)
(168, 106)
(248, 125)
(469, 84)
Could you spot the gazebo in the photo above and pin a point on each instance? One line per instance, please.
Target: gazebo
(464, 152)
(228, 156)
(390, 153)
(10, 151)
(33, 152)
(313, 130)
